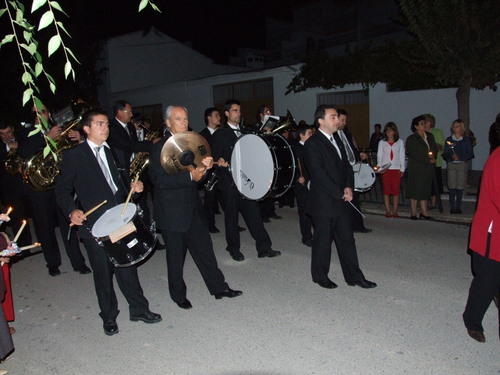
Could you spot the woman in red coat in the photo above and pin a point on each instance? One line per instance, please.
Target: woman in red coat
(485, 246)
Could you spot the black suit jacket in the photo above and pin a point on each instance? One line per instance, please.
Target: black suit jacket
(81, 174)
(223, 141)
(176, 198)
(329, 175)
(124, 142)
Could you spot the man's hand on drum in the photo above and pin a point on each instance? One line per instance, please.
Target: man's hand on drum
(137, 187)
(363, 156)
(222, 163)
(347, 194)
(301, 180)
(77, 217)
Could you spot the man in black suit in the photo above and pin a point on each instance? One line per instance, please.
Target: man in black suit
(332, 181)
(45, 214)
(212, 122)
(354, 156)
(301, 184)
(12, 189)
(80, 166)
(223, 142)
(179, 214)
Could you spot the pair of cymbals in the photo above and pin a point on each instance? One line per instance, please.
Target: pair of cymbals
(183, 152)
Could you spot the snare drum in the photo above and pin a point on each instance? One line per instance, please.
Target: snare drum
(364, 177)
(126, 239)
(262, 166)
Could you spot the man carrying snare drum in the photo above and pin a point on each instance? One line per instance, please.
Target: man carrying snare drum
(89, 170)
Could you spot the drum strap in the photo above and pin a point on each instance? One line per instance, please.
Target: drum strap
(105, 171)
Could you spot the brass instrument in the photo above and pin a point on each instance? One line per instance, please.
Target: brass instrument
(285, 125)
(13, 162)
(41, 171)
(141, 159)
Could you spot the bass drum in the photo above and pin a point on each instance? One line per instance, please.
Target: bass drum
(125, 238)
(364, 177)
(262, 166)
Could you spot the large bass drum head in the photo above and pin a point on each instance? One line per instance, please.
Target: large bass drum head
(252, 166)
(112, 220)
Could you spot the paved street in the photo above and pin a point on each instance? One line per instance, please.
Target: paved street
(283, 324)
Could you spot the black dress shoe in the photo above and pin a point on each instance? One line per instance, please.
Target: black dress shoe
(266, 220)
(146, 317)
(269, 254)
(308, 243)
(413, 217)
(327, 284)
(213, 229)
(365, 284)
(241, 229)
(363, 230)
(161, 246)
(83, 269)
(229, 293)
(276, 217)
(237, 256)
(422, 216)
(186, 305)
(110, 327)
(54, 271)
(476, 335)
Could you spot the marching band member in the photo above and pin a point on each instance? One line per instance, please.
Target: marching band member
(89, 170)
(179, 214)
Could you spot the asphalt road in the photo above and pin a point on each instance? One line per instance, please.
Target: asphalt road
(283, 324)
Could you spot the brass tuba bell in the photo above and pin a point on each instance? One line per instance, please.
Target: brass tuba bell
(285, 125)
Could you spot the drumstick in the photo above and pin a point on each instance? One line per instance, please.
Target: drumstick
(300, 168)
(129, 196)
(92, 210)
(356, 208)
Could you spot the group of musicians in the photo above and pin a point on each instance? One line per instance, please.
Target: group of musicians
(96, 170)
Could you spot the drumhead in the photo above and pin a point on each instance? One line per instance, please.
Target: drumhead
(252, 166)
(112, 220)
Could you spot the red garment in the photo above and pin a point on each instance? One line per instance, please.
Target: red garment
(7, 302)
(391, 182)
(488, 211)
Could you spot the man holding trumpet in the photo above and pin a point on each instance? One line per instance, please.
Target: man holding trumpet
(89, 170)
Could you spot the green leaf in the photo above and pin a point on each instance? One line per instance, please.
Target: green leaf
(38, 69)
(27, 95)
(67, 69)
(143, 5)
(46, 20)
(155, 8)
(61, 26)
(55, 5)
(32, 48)
(54, 44)
(2, 11)
(38, 102)
(27, 36)
(38, 57)
(49, 77)
(46, 149)
(70, 52)
(52, 88)
(37, 130)
(26, 77)
(19, 15)
(37, 4)
(7, 39)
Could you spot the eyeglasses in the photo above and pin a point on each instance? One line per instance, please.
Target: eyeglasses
(124, 110)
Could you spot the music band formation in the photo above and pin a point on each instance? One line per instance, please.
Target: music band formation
(96, 192)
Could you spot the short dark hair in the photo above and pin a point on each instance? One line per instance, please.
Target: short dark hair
(208, 112)
(229, 103)
(415, 122)
(342, 112)
(320, 112)
(378, 126)
(302, 128)
(120, 105)
(5, 125)
(88, 116)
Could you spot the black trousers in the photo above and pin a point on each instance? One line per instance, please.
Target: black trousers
(338, 228)
(46, 216)
(126, 277)
(484, 286)
(197, 240)
(305, 222)
(233, 204)
(210, 205)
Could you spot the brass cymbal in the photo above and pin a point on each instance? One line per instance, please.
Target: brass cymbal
(183, 152)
